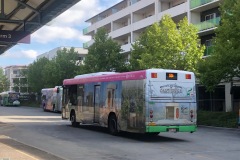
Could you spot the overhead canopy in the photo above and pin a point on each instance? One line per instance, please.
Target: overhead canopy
(20, 18)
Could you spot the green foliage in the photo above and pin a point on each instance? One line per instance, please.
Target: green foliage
(51, 74)
(4, 82)
(67, 61)
(45, 73)
(224, 64)
(104, 55)
(167, 45)
(210, 76)
(218, 119)
(35, 75)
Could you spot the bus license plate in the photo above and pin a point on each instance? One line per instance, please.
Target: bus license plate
(172, 130)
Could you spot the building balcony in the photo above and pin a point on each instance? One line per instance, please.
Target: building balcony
(212, 23)
(120, 32)
(88, 44)
(174, 11)
(208, 51)
(144, 23)
(85, 45)
(85, 31)
(134, 1)
(126, 47)
(197, 3)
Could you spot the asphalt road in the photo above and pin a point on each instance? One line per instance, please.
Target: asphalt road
(47, 133)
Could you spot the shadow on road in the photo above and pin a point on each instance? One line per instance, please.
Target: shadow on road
(133, 136)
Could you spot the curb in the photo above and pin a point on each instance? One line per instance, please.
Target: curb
(219, 128)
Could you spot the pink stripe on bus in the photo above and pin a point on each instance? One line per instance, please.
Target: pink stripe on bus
(135, 75)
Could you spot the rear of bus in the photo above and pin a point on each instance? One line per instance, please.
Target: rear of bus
(170, 101)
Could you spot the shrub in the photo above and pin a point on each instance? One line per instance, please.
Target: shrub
(218, 119)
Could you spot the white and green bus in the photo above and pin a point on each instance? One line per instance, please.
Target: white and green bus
(148, 101)
(9, 98)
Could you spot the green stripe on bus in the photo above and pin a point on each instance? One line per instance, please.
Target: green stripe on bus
(191, 128)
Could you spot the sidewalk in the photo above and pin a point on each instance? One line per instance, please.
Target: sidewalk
(11, 149)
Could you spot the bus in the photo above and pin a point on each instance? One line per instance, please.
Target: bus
(9, 98)
(52, 99)
(147, 101)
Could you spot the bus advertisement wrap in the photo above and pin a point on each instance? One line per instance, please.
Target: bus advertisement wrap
(144, 101)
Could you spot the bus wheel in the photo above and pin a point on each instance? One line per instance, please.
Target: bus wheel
(112, 125)
(53, 108)
(44, 107)
(73, 119)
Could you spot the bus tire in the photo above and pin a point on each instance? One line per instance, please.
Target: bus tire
(44, 107)
(153, 134)
(53, 108)
(73, 119)
(112, 125)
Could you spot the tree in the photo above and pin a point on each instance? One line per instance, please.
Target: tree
(45, 73)
(167, 45)
(67, 65)
(223, 64)
(4, 82)
(35, 75)
(104, 55)
(51, 74)
(21, 84)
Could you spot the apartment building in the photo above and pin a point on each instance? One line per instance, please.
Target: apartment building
(53, 53)
(126, 20)
(17, 81)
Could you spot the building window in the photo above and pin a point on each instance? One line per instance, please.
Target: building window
(15, 71)
(210, 16)
(208, 42)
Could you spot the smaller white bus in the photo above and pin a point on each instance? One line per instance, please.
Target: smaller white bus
(52, 99)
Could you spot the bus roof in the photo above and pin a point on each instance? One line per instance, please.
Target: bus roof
(107, 77)
(94, 74)
(134, 75)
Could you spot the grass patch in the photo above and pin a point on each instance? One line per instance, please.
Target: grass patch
(218, 119)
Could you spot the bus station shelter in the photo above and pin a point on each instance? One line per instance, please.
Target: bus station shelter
(20, 18)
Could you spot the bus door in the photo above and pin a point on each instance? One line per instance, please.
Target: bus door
(65, 110)
(59, 99)
(96, 103)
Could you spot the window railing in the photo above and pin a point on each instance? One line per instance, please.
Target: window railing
(208, 51)
(134, 1)
(85, 30)
(208, 24)
(197, 3)
(85, 45)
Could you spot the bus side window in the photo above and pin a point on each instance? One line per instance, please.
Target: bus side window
(65, 96)
(80, 95)
(73, 94)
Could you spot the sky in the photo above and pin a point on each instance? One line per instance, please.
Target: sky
(64, 30)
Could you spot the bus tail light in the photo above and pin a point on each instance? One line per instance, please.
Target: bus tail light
(151, 114)
(177, 113)
(153, 75)
(188, 76)
(191, 114)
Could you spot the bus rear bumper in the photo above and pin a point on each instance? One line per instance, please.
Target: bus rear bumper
(188, 128)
